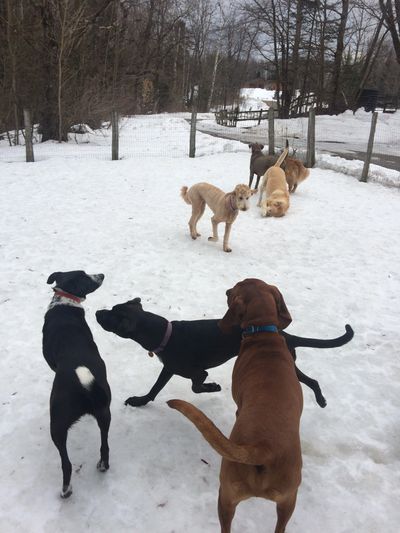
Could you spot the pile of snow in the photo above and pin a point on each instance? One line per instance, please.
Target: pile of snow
(334, 258)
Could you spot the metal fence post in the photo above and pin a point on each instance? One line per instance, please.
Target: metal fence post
(115, 136)
(310, 157)
(28, 137)
(192, 143)
(365, 170)
(271, 131)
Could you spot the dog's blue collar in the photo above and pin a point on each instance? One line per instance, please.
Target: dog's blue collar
(250, 330)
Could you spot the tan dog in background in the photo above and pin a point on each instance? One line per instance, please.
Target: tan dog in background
(295, 172)
(225, 206)
(262, 457)
(275, 188)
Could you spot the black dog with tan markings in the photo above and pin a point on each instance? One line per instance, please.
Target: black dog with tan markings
(80, 384)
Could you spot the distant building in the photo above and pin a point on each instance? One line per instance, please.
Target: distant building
(263, 80)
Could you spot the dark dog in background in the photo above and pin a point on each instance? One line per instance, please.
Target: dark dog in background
(80, 384)
(189, 348)
(259, 163)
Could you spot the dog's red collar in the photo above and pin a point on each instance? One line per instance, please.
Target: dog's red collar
(165, 340)
(68, 295)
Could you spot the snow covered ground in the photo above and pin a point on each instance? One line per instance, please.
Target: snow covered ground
(335, 258)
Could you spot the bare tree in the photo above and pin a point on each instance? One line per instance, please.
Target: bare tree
(391, 17)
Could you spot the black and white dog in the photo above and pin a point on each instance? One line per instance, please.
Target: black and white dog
(189, 347)
(80, 385)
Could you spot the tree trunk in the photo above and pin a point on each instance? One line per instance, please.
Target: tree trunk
(392, 22)
(335, 106)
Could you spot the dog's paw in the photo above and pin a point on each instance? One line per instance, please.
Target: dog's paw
(137, 401)
(213, 239)
(208, 387)
(226, 249)
(102, 465)
(66, 492)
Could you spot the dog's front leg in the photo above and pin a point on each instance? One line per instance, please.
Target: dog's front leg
(139, 401)
(214, 223)
(251, 179)
(226, 237)
(198, 384)
(260, 195)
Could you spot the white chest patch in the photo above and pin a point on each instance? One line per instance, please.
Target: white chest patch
(62, 300)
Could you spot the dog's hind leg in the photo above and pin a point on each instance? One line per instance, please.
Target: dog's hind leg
(139, 401)
(197, 212)
(214, 223)
(284, 511)
(59, 432)
(103, 417)
(313, 384)
(226, 512)
(251, 179)
(258, 181)
(198, 384)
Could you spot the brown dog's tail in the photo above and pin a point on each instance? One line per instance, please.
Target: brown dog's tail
(184, 194)
(282, 157)
(238, 453)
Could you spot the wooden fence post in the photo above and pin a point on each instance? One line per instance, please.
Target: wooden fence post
(115, 136)
(271, 131)
(310, 157)
(365, 170)
(192, 144)
(28, 137)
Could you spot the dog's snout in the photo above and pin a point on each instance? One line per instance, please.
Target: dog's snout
(101, 313)
(97, 278)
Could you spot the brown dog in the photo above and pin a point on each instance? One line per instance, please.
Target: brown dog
(259, 163)
(225, 206)
(262, 456)
(295, 172)
(275, 188)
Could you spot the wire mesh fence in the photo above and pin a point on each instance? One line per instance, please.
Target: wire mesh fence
(139, 136)
(168, 135)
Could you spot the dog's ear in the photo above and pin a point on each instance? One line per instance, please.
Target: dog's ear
(283, 312)
(135, 301)
(234, 316)
(53, 277)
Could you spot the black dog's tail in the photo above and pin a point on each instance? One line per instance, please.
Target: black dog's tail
(89, 384)
(293, 341)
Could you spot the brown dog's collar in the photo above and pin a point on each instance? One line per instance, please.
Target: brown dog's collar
(250, 330)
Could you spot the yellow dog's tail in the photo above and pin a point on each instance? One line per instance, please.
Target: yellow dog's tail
(282, 157)
(238, 453)
(184, 194)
